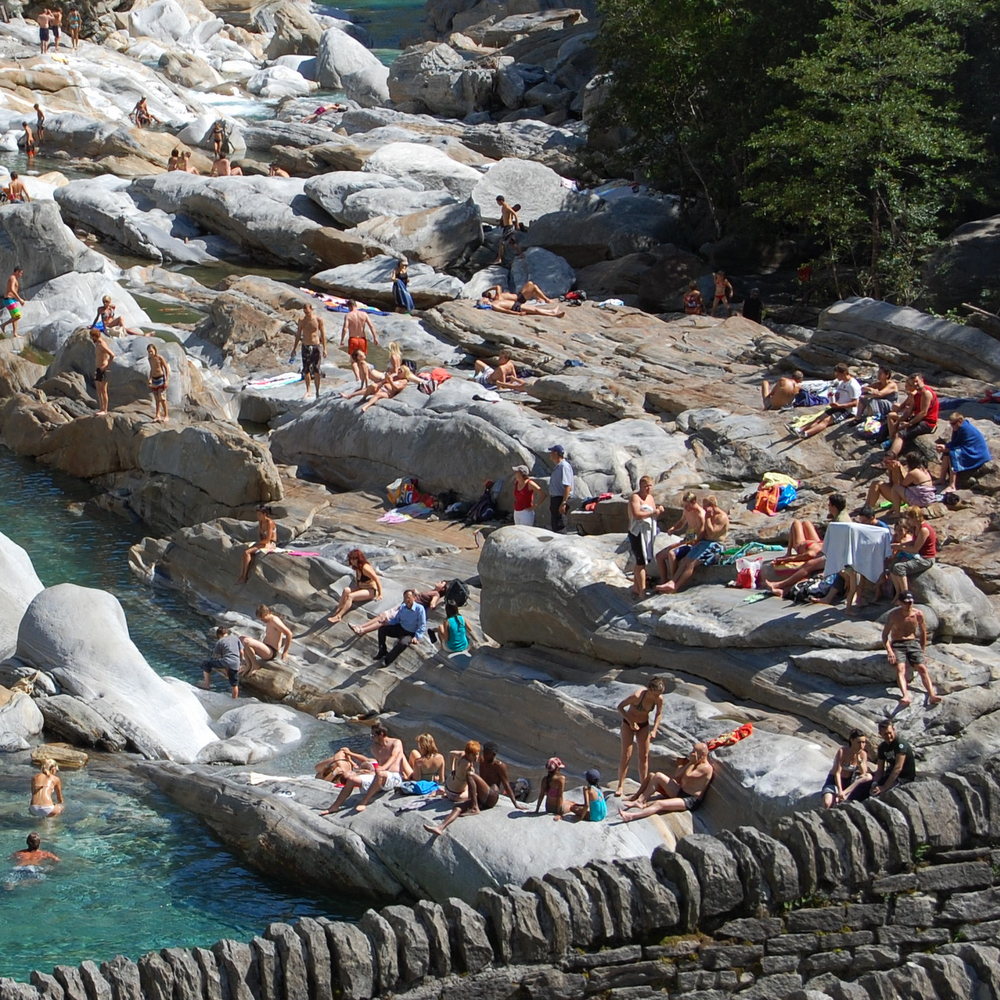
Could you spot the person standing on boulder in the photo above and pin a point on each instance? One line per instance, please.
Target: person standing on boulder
(103, 355)
(73, 24)
(159, 375)
(12, 294)
(39, 123)
(267, 541)
(56, 24)
(508, 230)
(311, 332)
(44, 19)
(355, 331)
(560, 488)
(905, 639)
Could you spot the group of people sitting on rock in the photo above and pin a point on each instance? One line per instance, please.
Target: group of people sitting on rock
(856, 776)
(474, 778)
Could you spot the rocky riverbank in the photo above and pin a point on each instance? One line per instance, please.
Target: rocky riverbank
(492, 105)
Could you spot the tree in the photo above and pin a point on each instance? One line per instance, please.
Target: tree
(690, 81)
(869, 154)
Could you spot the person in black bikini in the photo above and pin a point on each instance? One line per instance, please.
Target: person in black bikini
(276, 642)
(636, 731)
(367, 586)
(684, 792)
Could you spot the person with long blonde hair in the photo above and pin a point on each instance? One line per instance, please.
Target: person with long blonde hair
(426, 760)
(46, 791)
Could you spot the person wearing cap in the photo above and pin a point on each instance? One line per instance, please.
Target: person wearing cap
(526, 494)
(551, 788)
(896, 765)
(683, 792)
(905, 639)
(594, 807)
(560, 487)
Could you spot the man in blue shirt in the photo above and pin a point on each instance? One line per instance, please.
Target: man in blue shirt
(407, 625)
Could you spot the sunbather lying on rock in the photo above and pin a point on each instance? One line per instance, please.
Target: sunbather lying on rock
(503, 376)
(529, 291)
(806, 547)
(683, 792)
(522, 307)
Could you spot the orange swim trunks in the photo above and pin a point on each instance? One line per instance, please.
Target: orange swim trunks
(357, 344)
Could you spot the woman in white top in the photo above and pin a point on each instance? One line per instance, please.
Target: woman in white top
(643, 529)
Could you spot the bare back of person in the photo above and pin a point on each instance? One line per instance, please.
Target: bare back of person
(356, 323)
(504, 372)
(13, 289)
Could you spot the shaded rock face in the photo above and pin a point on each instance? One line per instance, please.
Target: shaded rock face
(966, 266)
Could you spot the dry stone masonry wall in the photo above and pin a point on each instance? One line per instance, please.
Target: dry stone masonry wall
(898, 896)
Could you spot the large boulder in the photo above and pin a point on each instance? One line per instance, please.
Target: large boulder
(430, 167)
(547, 270)
(34, 236)
(371, 281)
(556, 146)
(345, 64)
(19, 584)
(536, 188)
(296, 31)
(278, 82)
(189, 70)
(966, 266)
(363, 206)
(331, 190)
(20, 720)
(435, 79)
(624, 226)
(79, 638)
(929, 339)
(439, 237)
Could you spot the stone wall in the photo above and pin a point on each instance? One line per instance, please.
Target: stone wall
(898, 896)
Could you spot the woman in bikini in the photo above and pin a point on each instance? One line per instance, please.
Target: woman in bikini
(850, 776)
(109, 322)
(159, 374)
(427, 761)
(909, 483)
(636, 731)
(46, 791)
(551, 788)
(73, 25)
(367, 586)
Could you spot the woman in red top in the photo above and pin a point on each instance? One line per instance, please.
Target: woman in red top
(917, 554)
(526, 494)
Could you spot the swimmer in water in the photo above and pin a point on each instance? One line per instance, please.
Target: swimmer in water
(34, 855)
(46, 791)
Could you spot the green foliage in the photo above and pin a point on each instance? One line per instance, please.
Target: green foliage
(871, 152)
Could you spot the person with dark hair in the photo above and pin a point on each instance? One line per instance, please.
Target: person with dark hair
(917, 418)
(905, 639)
(879, 396)
(508, 229)
(843, 403)
(594, 807)
(909, 483)
(896, 764)
(407, 625)
(722, 293)
(914, 555)
(561, 482)
(804, 544)
(12, 299)
(267, 541)
(400, 288)
(455, 633)
(783, 392)
(850, 776)
(367, 585)
(355, 331)
(310, 331)
(34, 854)
(636, 732)
(227, 658)
(276, 642)
(551, 788)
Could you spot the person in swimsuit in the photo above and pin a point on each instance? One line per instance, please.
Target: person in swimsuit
(103, 356)
(175, 160)
(187, 166)
(16, 191)
(480, 795)
(56, 25)
(159, 376)
(909, 483)
(503, 376)
(44, 19)
(336, 768)
(391, 768)
(39, 123)
(643, 529)
(426, 761)
(508, 229)
(367, 373)
(367, 585)
(594, 808)
(355, 331)
(635, 728)
(692, 522)
(29, 140)
(141, 114)
(107, 321)
(218, 137)
(904, 637)
(311, 331)
(34, 855)
(275, 644)
(694, 303)
(683, 792)
(723, 293)
(850, 775)
(704, 552)
(221, 167)
(46, 791)
(783, 392)
(12, 294)
(551, 788)
(275, 171)
(73, 25)
(267, 541)
(522, 307)
(530, 292)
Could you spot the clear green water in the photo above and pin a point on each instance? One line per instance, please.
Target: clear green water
(137, 874)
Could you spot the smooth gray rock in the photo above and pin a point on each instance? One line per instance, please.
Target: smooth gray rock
(79, 723)
(34, 236)
(434, 78)
(371, 281)
(430, 167)
(535, 187)
(331, 190)
(554, 146)
(549, 271)
(363, 206)
(718, 873)
(19, 585)
(342, 63)
(470, 944)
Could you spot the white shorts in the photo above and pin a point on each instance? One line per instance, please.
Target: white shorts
(524, 517)
(393, 779)
(483, 377)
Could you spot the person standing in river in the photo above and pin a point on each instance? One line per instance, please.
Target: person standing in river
(12, 294)
(46, 791)
(103, 356)
(34, 855)
(39, 123)
(311, 332)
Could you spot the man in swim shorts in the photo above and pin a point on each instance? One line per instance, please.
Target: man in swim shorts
(276, 642)
(227, 656)
(103, 356)
(783, 392)
(683, 792)
(12, 295)
(44, 19)
(311, 331)
(508, 229)
(387, 773)
(904, 637)
(504, 376)
(34, 855)
(355, 329)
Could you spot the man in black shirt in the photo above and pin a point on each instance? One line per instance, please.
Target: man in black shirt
(896, 765)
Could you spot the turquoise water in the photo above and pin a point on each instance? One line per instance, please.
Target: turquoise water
(136, 874)
(388, 22)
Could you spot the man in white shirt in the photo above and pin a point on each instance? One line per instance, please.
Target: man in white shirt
(843, 395)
